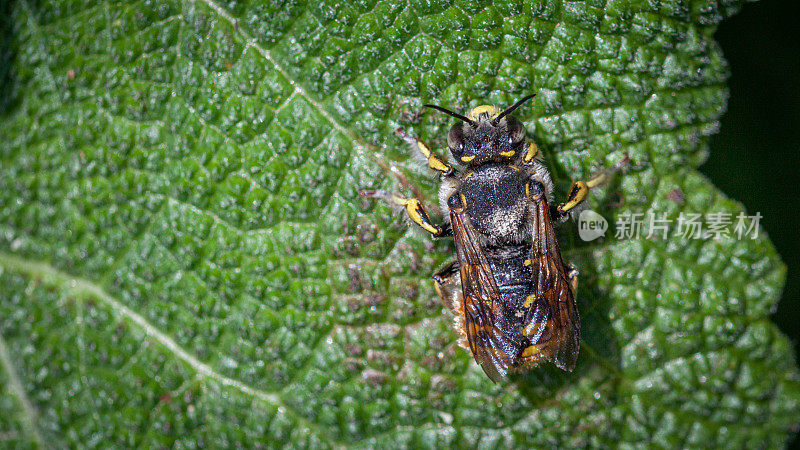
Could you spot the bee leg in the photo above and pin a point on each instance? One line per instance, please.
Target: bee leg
(433, 161)
(572, 277)
(530, 153)
(447, 282)
(446, 273)
(577, 194)
(414, 209)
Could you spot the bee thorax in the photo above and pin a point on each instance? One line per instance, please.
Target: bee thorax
(495, 203)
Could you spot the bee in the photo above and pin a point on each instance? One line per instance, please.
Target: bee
(512, 295)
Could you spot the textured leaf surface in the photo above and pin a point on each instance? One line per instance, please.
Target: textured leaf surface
(184, 258)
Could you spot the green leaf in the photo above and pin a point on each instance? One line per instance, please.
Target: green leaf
(185, 259)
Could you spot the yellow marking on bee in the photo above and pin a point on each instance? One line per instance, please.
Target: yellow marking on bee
(483, 109)
(435, 164)
(467, 158)
(516, 169)
(429, 228)
(469, 174)
(509, 153)
(424, 149)
(415, 212)
(531, 153)
(526, 263)
(463, 201)
(529, 301)
(532, 350)
(578, 196)
(528, 190)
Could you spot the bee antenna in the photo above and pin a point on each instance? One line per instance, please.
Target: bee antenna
(512, 108)
(451, 113)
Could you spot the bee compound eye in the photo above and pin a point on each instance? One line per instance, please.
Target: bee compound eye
(516, 131)
(455, 139)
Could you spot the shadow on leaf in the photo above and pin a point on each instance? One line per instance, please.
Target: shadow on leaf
(8, 57)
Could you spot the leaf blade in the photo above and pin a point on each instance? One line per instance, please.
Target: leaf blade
(214, 200)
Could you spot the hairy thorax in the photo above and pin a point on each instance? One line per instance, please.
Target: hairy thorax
(495, 202)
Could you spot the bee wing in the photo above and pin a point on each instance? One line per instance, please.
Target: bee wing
(559, 332)
(482, 306)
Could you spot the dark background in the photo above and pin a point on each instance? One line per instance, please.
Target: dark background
(755, 158)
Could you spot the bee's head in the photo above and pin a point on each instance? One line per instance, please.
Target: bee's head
(485, 134)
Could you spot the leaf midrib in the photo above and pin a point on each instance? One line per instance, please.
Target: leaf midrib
(83, 289)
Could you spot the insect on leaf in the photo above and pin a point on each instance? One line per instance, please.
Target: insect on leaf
(185, 259)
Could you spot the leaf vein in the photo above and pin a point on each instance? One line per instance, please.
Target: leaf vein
(15, 386)
(82, 288)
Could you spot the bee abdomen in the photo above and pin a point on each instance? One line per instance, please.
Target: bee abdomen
(526, 316)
